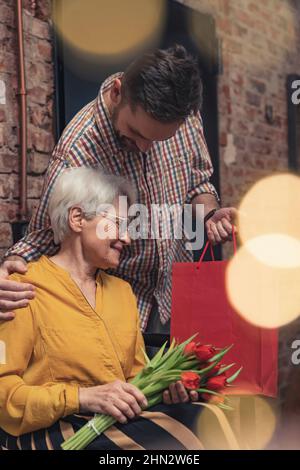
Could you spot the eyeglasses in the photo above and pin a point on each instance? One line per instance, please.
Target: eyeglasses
(120, 222)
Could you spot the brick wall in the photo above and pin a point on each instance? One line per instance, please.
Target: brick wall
(39, 76)
(260, 42)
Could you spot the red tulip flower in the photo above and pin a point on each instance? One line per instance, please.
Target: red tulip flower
(216, 383)
(189, 349)
(204, 352)
(190, 380)
(213, 371)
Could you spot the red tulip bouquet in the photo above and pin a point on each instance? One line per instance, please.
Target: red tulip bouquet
(198, 366)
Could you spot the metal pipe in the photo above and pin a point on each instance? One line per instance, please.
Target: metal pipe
(23, 114)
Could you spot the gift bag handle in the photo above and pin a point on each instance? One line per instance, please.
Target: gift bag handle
(208, 244)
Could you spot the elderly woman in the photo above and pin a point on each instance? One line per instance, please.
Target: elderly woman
(73, 349)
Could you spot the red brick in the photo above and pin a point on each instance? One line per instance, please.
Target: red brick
(2, 115)
(42, 141)
(5, 235)
(30, 5)
(226, 91)
(253, 7)
(43, 9)
(240, 30)
(233, 46)
(8, 63)
(39, 117)
(35, 186)
(45, 50)
(237, 78)
(245, 18)
(38, 95)
(9, 188)
(40, 29)
(260, 163)
(3, 134)
(7, 15)
(253, 99)
(224, 25)
(40, 72)
(260, 147)
(9, 163)
(242, 127)
(8, 211)
(223, 139)
(258, 86)
(38, 163)
(239, 142)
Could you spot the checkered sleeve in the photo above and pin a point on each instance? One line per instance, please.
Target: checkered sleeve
(202, 168)
(39, 236)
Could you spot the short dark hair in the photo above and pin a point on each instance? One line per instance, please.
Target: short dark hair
(165, 83)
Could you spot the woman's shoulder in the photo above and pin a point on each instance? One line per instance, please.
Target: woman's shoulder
(111, 280)
(33, 274)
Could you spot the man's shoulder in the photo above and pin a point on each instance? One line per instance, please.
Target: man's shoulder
(78, 131)
(192, 122)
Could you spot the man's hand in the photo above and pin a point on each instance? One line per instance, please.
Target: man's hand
(177, 393)
(219, 226)
(13, 295)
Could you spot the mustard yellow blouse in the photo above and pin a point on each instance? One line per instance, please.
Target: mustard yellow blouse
(60, 343)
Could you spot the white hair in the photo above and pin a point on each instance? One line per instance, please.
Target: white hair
(87, 188)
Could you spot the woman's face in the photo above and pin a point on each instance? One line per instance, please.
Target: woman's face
(102, 239)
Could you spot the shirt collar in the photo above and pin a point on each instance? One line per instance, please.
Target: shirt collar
(103, 118)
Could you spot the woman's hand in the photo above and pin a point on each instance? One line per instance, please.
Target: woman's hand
(177, 393)
(118, 399)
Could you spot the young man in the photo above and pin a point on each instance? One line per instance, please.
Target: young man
(145, 125)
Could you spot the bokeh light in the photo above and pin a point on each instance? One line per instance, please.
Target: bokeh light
(109, 27)
(271, 206)
(264, 295)
(253, 421)
(275, 250)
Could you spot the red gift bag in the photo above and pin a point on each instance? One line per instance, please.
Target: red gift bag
(200, 304)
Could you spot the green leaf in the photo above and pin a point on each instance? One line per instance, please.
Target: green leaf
(155, 360)
(225, 368)
(225, 407)
(219, 356)
(191, 364)
(212, 392)
(145, 356)
(183, 345)
(234, 376)
(172, 345)
(207, 369)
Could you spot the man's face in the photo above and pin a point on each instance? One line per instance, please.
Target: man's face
(137, 130)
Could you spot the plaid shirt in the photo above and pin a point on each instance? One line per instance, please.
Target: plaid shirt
(172, 171)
